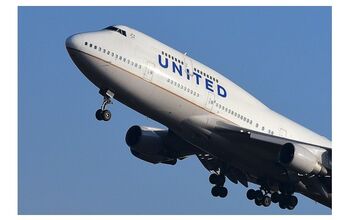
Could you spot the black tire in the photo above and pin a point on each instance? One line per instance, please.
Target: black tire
(283, 203)
(213, 178)
(275, 197)
(106, 115)
(293, 201)
(251, 194)
(215, 191)
(266, 201)
(220, 180)
(258, 201)
(98, 114)
(259, 195)
(223, 192)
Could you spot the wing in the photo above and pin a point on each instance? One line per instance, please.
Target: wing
(254, 156)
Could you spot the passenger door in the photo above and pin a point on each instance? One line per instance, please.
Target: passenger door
(210, 101)
(149, 71)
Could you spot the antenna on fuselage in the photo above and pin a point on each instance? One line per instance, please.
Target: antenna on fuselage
(185, 53)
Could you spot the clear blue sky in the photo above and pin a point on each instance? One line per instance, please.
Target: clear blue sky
(69, 163)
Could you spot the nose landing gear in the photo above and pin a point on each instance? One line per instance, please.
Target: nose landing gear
(103, 113)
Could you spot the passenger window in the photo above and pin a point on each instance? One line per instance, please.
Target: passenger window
(86, 43)
(124, 59)
(108, 52)
(90, 45)
(99, 49)
(128, 61)
(104, 50)
(95, 47)
(112, 54)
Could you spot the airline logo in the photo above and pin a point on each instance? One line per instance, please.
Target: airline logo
(176, 68)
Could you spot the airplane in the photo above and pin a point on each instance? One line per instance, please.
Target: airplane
(233, 134)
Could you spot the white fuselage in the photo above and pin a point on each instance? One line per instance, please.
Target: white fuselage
(186, 78)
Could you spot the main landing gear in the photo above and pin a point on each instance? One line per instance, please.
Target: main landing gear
(218, 189)
(285, 199)
(260, 197)
(103, 113)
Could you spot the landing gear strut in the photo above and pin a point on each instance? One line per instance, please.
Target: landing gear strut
(103, 113)
(218, 189)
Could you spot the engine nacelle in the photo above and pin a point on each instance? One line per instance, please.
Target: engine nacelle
(148, 144)
(301, 160)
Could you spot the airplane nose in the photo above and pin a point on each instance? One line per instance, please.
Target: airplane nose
(74, 41)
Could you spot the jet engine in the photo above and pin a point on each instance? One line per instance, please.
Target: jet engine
(301, 160)
(157, 145)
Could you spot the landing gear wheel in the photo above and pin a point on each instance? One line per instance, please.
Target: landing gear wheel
(215, 191)
(258, 202)
(259, 195)
(275, 197)
(223, 192)
(283, 203)
(251, 194)
(293, 200)
(266, 201)
(98, 114)
(106, 115)
(213, 178)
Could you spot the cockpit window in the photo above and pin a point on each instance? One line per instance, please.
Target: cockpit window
(120, 31)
